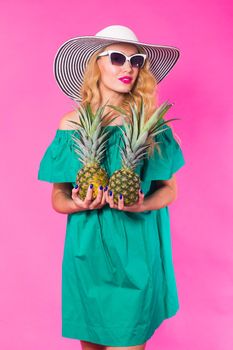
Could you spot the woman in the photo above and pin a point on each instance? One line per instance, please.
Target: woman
(118, 281)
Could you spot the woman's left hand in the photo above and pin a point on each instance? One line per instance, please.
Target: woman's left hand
(136, 207)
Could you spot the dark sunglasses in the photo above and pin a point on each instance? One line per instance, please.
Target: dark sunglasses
(117, 58)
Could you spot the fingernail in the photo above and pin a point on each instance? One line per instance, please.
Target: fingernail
(141, 191)
(101, 187)
(110, 193)
(91, 186)
(120, 196)
(76, 186)
(105, 188)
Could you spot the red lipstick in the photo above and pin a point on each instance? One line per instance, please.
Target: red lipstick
(126, 79)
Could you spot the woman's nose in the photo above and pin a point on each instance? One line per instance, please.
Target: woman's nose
(127, 65)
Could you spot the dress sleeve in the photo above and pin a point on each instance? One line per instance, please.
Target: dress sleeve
(59, 163)
(162, 167)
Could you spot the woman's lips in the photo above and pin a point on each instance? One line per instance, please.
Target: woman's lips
(126, 80)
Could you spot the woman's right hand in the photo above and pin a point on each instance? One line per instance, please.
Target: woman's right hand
(88, 203)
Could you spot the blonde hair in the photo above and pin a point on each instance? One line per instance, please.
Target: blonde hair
(145, 86)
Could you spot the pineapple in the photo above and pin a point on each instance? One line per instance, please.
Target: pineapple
(90, 148)
(135, 138)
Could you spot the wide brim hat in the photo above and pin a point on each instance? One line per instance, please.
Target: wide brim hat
(72, 57)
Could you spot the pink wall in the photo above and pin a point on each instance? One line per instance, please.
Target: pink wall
(32, 234)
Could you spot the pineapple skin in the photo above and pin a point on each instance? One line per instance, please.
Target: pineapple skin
(91, 173)
(126, 182)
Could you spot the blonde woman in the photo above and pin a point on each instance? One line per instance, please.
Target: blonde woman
(118, 281)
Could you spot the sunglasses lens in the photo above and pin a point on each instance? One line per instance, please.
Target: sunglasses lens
(117, 59)
(137, 61)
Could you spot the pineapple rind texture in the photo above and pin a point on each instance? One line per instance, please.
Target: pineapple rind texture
(94, 174)
(124, 181)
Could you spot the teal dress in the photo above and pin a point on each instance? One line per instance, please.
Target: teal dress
(118, 281)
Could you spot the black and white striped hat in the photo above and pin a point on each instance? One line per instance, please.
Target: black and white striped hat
(72, 57)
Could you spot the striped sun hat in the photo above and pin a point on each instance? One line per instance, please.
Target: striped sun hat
(72, 57)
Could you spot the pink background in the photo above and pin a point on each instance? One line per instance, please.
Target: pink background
(32, 234)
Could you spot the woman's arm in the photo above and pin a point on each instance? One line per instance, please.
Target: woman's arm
(163, 196)
(61, 198)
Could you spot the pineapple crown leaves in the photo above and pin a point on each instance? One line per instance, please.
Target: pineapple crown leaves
(137, 134)
(88, 120)
(132, 155)
(138, 119)
(130, 159)
(90, 146)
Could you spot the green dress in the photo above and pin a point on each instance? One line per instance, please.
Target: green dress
(118, 281)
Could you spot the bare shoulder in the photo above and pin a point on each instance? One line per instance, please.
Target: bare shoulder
(66, 118)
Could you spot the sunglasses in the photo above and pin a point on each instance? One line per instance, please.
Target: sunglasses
(117, 58)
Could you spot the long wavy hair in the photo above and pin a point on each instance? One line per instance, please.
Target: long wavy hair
(145, 86)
